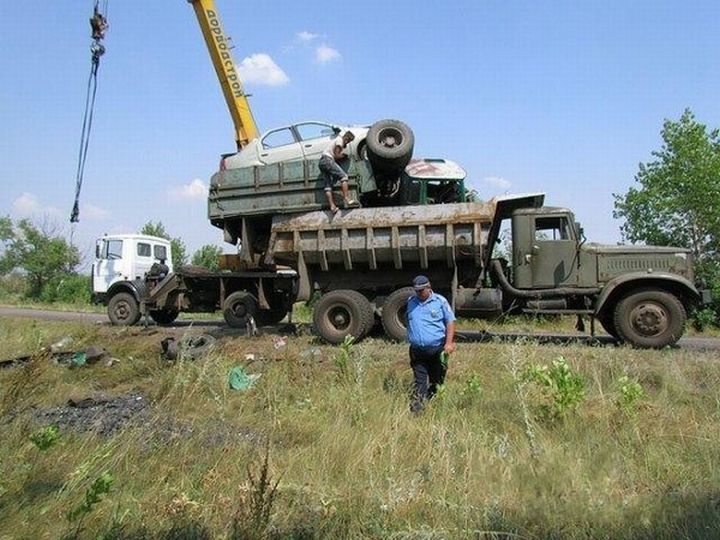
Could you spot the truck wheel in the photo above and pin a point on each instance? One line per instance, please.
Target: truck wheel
(266, 317)
(650, 319)
(164, 316)
(238, 308)
(123, 309)
(394, 316)
(608, 323)
(389, 145)
(343, 313)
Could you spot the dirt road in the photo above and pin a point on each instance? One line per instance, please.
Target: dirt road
(689, 343)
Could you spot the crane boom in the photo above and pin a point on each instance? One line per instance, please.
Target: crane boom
(226, 70)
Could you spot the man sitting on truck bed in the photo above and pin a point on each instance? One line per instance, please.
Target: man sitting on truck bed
(331, 171)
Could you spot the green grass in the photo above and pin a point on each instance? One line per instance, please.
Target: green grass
(349, 459)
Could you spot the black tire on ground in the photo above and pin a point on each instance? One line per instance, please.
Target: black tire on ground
(390, 145)
(650, 319)
(123, 309)
(164, 316)
(394, 317)
(194, 347)
(342, 313)
(238, 308)
(266, 317)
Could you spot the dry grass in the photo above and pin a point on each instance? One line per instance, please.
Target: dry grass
(351, 461)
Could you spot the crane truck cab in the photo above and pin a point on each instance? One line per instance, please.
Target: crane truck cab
(122, 262)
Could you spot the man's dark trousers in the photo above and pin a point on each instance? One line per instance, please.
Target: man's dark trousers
(429, 373)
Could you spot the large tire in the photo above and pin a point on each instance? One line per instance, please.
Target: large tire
(390, 145)
(650, 319)
(394, 314)
(607, 320)
(164, 316)
(238, 308)
(343, 313)
(123, 309)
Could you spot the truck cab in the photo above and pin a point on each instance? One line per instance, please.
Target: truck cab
(125, 258)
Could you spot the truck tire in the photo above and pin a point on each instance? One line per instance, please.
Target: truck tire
(238, 308)
(607, 321)
(267, 317)
(389, 145)
(342, 313)
(650, 319)
(394, 317)
(164, 316)
(123, 309)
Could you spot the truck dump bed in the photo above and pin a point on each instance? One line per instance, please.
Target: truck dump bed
(390, 236)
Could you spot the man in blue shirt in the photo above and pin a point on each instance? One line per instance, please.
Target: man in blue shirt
(431, 333)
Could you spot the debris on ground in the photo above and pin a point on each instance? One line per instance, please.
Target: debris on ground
(89, 356)
(279, 341)
(64, 343)
(188, 348)
(238, 379)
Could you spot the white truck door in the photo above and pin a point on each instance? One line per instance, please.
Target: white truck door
(108, 264)
(143, 258)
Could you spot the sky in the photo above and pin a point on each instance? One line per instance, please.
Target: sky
(561, 97)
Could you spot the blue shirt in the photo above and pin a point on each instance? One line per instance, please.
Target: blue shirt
(427, 321)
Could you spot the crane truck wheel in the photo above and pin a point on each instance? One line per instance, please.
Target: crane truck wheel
(238, 308)
(343, 313)
(164, 316)
(394, 316)
(123, 309)
(650, 319)
(390, 145)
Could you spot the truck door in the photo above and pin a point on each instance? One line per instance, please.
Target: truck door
(553, 253)
(108, 264)
(143, 259)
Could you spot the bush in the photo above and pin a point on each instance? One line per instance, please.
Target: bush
(67, 288)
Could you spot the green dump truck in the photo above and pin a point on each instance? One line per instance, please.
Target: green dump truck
(360, 261)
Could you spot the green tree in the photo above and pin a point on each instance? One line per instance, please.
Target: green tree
(41, 254)
(179, 250)
(208, 257)
(677, 200)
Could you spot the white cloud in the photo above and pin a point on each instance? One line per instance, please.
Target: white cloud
(306, 36)
(27, 205)
(93, 213)
(193, 190)
(260, 68)
(497, 182)
(325, 53)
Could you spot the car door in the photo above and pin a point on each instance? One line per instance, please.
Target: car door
(314, 137)
(280, 145)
